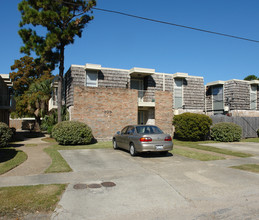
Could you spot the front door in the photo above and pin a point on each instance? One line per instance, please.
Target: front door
(142, 117)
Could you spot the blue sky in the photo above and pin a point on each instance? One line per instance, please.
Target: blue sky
(122, 42)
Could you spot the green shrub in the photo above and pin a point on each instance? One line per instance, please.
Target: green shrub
(258, 132)
(192, 126)
(226, 132)
(72, 133)
(5, 134)
(51, 119)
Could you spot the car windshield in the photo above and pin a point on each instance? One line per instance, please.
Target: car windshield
(148, 130)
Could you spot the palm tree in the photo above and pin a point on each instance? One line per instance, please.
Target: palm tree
(38, 95)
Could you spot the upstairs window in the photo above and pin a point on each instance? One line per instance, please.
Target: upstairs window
(253, 97)
(218, 105)
(92, 78)
(178, 93)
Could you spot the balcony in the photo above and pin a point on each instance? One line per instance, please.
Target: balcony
(146, 98)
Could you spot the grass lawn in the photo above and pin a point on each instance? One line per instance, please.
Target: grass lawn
(248, 167)
(197, 145)
(256, 140)
(19, 200)
(196, 155)
(58, 162)
(10, 158)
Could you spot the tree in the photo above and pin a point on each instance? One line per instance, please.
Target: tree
(62, 20)
(251, 77)
(37, 98)
(28, 71)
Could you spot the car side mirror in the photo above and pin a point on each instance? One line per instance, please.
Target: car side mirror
(118, 132)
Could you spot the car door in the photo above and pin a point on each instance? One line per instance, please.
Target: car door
(130, 134)
(121, 138)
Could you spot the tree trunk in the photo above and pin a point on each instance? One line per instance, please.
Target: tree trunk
(60, 81)
(37, 123)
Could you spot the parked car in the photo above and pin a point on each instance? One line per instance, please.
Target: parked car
(142, 138)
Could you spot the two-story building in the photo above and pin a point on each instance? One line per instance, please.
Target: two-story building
(5, 103)
(107, 98)
(234, 97)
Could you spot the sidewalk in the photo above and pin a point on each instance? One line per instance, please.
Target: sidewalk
(37, 162)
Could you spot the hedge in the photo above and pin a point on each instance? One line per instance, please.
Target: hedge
(72, 133)
(5, 134)
(226, 132)
(192, 126)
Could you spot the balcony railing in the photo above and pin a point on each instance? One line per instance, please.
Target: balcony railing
(146, 96)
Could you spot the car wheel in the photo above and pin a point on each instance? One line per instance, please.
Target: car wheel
(132, 150)
(164, 153)
(115, 146)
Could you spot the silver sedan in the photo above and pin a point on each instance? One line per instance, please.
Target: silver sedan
(142, 138)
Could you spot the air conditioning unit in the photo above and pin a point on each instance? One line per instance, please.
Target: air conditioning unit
(226, 108)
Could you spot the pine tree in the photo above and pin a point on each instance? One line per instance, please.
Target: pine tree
(62, 22)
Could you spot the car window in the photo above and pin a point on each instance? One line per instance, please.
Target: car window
(148, 130)
(124, 130)
(131, 130)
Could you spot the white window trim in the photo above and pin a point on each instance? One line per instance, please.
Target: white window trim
(223, 97)
(96, 72)
(255, 97)
(182, 94)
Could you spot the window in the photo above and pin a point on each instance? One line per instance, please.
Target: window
(92, 78)
(253, 97)
(124, 130)
(148, 130)
(178, 93)
(217, 94)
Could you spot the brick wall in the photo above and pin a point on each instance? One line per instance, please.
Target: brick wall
(105, 110)
(164, 111)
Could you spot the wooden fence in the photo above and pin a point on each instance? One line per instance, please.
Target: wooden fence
(249, 125)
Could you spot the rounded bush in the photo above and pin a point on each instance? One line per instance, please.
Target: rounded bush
(5, 134)
(72, 133)
(226, 132)
(258, 132)
(192, 126)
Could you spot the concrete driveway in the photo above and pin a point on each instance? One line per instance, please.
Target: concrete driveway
(154, 187)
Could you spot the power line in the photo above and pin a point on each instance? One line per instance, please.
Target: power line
(177, 25)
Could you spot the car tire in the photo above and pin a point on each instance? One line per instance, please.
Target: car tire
(132, 150)
(115, 146)
(163, 153)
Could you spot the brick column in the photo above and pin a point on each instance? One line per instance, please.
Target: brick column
(164, 110)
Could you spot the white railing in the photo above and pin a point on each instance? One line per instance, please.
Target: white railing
(146, 96)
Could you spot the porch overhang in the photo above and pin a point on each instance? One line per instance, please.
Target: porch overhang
(141, 72)
(215, 83)
(180, 75)
(146, 104)
(89, 66)
(254, 82)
